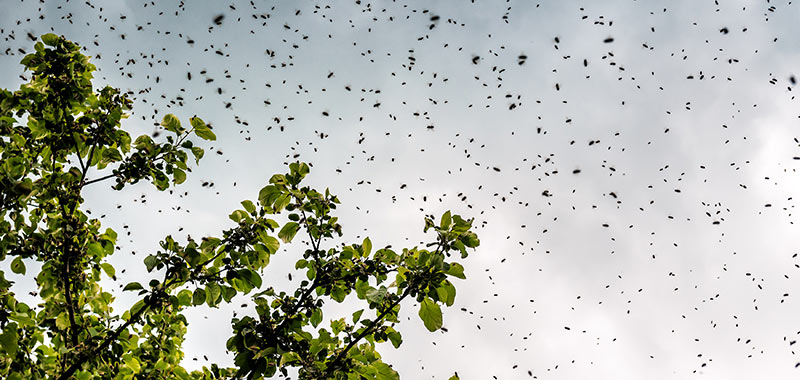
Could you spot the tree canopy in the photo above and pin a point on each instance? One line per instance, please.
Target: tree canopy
(58, 135)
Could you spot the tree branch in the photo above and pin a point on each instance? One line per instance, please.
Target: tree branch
(78, 153)
(88, 163)
(103, 178)
(296, 306)
(315, 283)
(337, 361)
(68, 296)
(93, 353)
(149, 301)
(65, 274)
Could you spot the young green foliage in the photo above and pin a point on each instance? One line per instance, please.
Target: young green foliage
(58, 135)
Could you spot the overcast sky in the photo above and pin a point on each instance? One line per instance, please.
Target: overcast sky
(630, 164)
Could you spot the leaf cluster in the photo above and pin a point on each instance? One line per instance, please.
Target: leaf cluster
(58, 135)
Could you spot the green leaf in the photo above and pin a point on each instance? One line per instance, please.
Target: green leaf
(278, 179)
(178, 176)
(250, 276)
(298, 170)
(202, 130)
(446, 293)
(132, 363)
(262, 260)
(249, 206)
(110, 272)
(366, 246)
(376, 295)
(470, 240)
(428, 224)
(460, 247)
(450, 290)
(198, 297)
(185, 297)
(316, 317)
(395, 338)
(213, 291)
(15, 167)
(431, 314)
(136, 307)
(361, 288)
(348, 252)
(161, 365)
(228, 293)
(268, 195)
(172, 124)
(95, 249)
(357, 315)
(337, 325)
(288, 231)
(385, 372)
(271, 243)
(24, 187)
(8, 340)
(441, 294)
(198, 153)
(62, 321)
(338, 294)
(182, 374)
(22, 319)
(456, 270)
(238, 215)
(446, 221)
(281, 202)
(144, 143)
(17, 266)
(50, 39)
(150, 262)
(289, 357)
(110, 155)
(133, 286)
(423, 257)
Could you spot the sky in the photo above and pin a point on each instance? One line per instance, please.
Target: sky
(631, 165)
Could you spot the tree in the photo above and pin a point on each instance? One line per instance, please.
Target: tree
(60, 136)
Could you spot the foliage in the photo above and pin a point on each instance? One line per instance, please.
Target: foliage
(59, 136)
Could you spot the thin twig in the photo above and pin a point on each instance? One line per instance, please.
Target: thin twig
(78, 153)
(88, 163)
(103, 178)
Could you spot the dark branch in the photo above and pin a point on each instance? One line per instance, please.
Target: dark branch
(103, 178)
(337, 361)
(88, 165)
(78, 153)
(149, 301)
